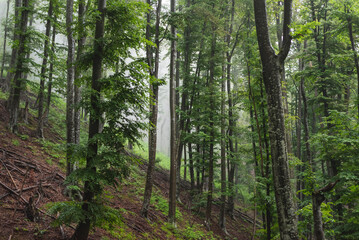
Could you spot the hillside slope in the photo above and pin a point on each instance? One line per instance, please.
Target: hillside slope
(32, 170)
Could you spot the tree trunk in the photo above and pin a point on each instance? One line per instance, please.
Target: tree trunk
(152, 137)
(271, 64)
(70, 134)
(317, 199)
(191, 167)
(355, 55)
(4, 47)
(212, 131)
(40, 116)
(28, 53)
(184, 99)
(51, 70)
(267, 166)
(12, 65)
(222, 216)
(173, 141)
(300, 183)
(82, 230)
(179, 130)
(231, 122)
(18, 82)
(77, 73)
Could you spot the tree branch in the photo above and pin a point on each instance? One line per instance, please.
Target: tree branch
(327, 188)
(287, 39)
(262, 28)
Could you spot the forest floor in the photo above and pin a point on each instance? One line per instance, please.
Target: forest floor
(33, 169)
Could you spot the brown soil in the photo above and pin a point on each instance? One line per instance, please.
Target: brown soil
(28, 171)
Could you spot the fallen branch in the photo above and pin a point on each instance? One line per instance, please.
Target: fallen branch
(8, 172)
(26, 189)
(12, 191)
(25, 201)
(26, 164)
(15, 168)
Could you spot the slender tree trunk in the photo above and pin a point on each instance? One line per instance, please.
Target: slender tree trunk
(28, 53)
(4, 47)
(173, 142)
(70, 134)
(191, 167)
(198, 169)
(271, 75)
(355, 55)
(184, 163)
(231, 123)
(18, 82)
(179, 130)
(300, 183)
(12, 65)
(82, 230)
(222, 216)
(211, 127)
(77, 73)
(51, 70)
(267, 166)
(152, 137)
(40, 116)
(317, 199)
(185, 109)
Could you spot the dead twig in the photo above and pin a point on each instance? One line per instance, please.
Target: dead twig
(15, 168)
(26, 164)
(23, 181)
(63, 178)
(12, 191)
(28, 188)
(8, 172)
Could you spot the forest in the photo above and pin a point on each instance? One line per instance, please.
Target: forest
(188, 119)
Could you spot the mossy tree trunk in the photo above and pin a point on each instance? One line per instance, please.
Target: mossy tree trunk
(271, 64)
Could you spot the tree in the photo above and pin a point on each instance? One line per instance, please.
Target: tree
(70, 131)
(152, 136)
(5, 39)
(40, 116)
(81, 39)
(15, 38)
(83, 228)
(18, 82)
(173, 140)
(51, 69)
(271, 63)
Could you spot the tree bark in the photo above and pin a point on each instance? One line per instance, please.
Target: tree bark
(152, 136)
(222, 216)
(212, 131)
(12, 65)
(231, 123)
(267, 166)
(173, 140)
(271, 64)
(40, 114)
(355, 55)
(82, 230)
(4, 47)
(19, 82)
(77, 72)
(51, 70)
(191, 167)
(70, 134)
(317, 199)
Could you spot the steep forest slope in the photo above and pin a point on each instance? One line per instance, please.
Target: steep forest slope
(31, 178)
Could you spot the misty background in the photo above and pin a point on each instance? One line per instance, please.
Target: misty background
(163, 123)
